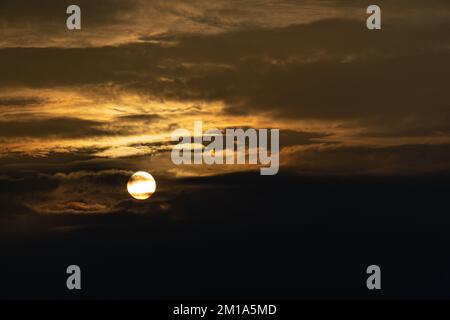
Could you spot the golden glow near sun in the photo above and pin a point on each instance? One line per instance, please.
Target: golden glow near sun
(141, 185)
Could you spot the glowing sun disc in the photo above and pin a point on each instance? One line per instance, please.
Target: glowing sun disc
(141, 185)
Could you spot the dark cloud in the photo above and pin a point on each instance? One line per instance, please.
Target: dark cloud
(21, 102)
(94, 13)
(328, 70)
(76, 192)
(396, 5)
(418, 159)
(222, 15)
(73, 206)
(103, 191)
(147, 118)
(18, 163)
(47, 67)
(287, 229)
(411, 125)
(286, 137)
(63, 127)
(102, 177)
(204, 56)
(28, 183)
(293, 138)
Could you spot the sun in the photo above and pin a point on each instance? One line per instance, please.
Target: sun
(141, 185)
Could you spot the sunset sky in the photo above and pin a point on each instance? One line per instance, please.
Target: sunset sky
(82, 110)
